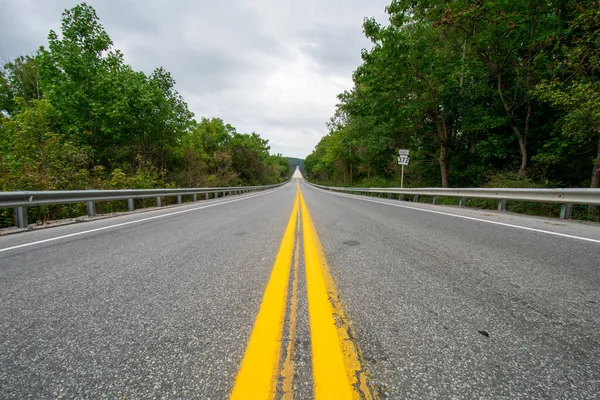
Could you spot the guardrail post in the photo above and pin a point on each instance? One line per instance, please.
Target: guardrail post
(224, 194)
(206, 196)
(416, 198)
(435, 199)
(389, 195)
(158, 202)
(179, 199)
(130, 205)
(21, 214)
(195, 197)
(91, 209)
(565, 211)
(462, 202)
(379, 195)
(502, 205)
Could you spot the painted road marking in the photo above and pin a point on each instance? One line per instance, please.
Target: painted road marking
(258, 373)
(287, 371)
(337, 366)
(133, 222)
(358, 197)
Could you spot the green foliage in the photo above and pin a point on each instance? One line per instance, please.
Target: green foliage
(478, 91)
(18, 80)
(574, 89)
(75, 116)
(296, 162)
(34, 157)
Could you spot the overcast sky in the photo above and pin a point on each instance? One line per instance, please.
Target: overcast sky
(269, 66)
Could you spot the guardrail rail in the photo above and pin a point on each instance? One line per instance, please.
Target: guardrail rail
(25, 199)
(565, 197)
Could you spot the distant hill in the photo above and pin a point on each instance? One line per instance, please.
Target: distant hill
(294, 162)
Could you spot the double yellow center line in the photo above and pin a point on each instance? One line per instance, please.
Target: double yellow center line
(338, 372)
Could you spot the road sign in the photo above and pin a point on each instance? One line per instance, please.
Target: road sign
(403, 160)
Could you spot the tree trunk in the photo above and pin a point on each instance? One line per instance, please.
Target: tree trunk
(523, 147)
(443, 165)
(440, 123)
(511, 118)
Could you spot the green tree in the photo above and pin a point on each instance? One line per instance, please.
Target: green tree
(19, 79)
(575, 87)
(76, 77)
(506, 37)
(34, 157)
(249, 154)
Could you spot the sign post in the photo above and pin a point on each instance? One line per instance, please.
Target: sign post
(402, 178)
(403, 159)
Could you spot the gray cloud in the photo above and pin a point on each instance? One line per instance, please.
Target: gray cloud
(333, 49)
(270, 66)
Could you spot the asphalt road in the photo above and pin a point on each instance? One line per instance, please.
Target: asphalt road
(443, 302)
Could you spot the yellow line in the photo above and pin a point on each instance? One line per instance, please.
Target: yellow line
(288, 366)
(257, 376)
(352, 355)
(336, 360)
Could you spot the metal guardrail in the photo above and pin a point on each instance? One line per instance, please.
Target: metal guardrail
(22, 200)
(566, 197)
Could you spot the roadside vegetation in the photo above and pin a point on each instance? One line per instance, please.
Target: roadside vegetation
(483, 94)
(76, 116)
(296, 162)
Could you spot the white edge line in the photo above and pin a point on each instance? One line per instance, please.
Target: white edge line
(136, 221)
(357, 197)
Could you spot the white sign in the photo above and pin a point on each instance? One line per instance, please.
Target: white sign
(403, 160)
(403, 152)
